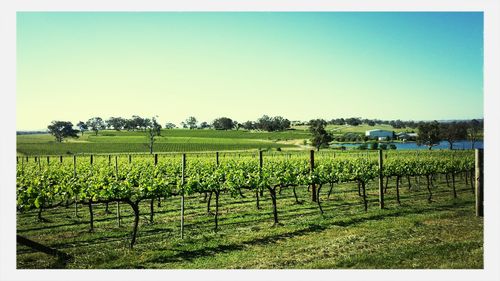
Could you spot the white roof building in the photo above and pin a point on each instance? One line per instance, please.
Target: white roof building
(405, 136)
(378, 133)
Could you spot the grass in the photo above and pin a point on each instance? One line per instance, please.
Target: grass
(177, 140)
(171, 141)
(417, 234)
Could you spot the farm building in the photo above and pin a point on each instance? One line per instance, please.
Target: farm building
(406, 136)
(379, 134)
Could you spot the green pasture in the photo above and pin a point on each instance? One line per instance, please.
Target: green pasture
(177, 140)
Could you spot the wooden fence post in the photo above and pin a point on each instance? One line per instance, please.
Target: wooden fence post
(380, 179)
(479, 182)
(91, 159)
(182, 194)
(217, 158)
(260, 170)
(156, 159)
(60, 159)
(260, 160)
(313, 185)
(118, 216)
(76, 195)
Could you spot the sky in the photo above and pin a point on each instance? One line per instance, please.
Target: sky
(72, 66)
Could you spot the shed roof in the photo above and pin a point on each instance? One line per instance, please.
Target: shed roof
(378, 130)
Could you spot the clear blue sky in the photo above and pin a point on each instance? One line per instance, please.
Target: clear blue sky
(393, 65)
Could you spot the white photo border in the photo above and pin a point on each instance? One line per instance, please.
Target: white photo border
(8, 10)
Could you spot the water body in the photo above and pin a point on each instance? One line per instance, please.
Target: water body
(413, 145)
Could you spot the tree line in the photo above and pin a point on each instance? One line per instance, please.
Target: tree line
(265, 123)
(65, 129)
(356, 121)
(429, 133)
(432, 133)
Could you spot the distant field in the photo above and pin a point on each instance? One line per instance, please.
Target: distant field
(342, 129)
(177, 140)
(233, 134)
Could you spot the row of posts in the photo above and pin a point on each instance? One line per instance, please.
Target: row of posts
(479, 192)
(479, 186)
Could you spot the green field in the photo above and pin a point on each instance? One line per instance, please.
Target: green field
(417, 234)
(177, 140)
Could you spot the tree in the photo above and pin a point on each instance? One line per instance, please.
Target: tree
(204, 125)
(96, 124)
(146, 123)
(61, 130)
(397, 124)
(452, 132)
(280, 124)
(271, 124)
(153, 129)
(374, 145)
(248, 125)
(223, 123)
(169, 125)
(428, 134)
(237, 125)
(338, 121)
(117, 123)
(129, 125)
(140, 123)
(190, 123)
(474, 129)
(353, 121)
(320, 136)
(82, 126)
(411, 124)
(264, 123)
(155, 126)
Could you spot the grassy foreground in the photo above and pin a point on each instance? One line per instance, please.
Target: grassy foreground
(417, 234)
